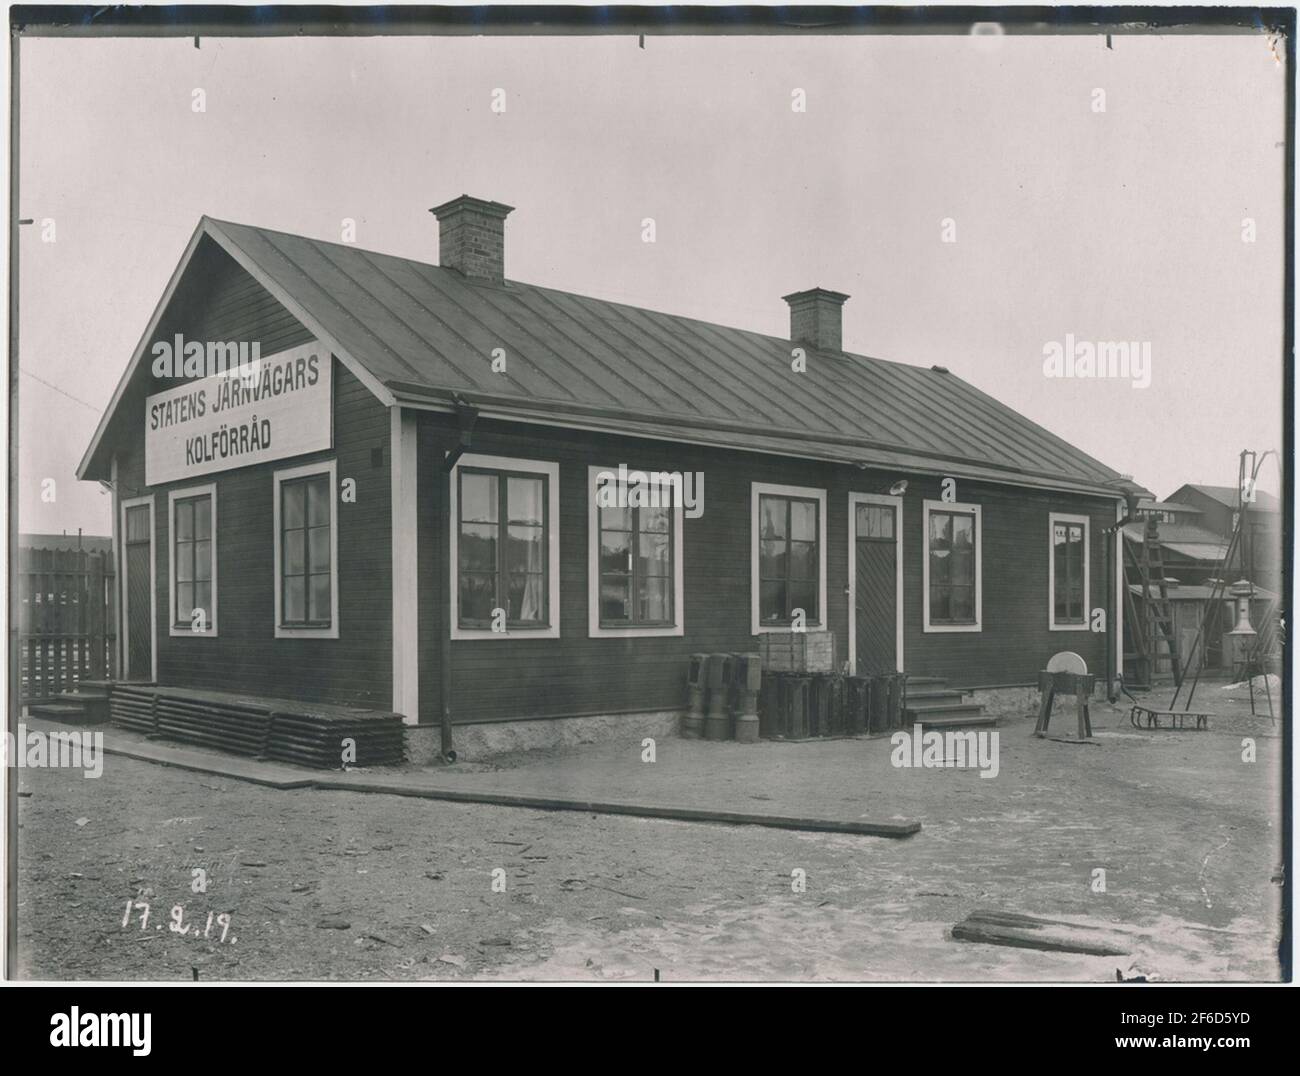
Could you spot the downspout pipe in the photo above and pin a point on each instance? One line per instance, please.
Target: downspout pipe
(1114, 556)
(466, 416)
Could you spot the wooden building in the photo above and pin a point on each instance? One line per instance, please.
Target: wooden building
(1186, 591)
(299, 533)
(1260, 554)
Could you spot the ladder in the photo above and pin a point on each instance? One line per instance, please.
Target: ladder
(1159, 626)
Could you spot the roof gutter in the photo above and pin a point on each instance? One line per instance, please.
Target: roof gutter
(1114, 562)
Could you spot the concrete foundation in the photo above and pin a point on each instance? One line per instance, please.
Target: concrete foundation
(479, 743)
(1020, 701)
(1007, 701)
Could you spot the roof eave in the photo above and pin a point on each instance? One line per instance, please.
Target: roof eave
(846, 451)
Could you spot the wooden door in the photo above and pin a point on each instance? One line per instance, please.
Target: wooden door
(876, 588)
(138, 545)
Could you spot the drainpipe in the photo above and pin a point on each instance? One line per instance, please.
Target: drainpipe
(466, 417)
(1114, 556)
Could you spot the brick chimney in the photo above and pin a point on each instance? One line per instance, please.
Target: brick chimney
(815, 318)
(471, 237)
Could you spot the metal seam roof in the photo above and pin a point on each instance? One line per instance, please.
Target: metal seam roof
(419, 329)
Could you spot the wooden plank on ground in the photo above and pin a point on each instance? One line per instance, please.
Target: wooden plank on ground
(1030, 932)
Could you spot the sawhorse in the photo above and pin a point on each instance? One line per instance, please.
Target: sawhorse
(1051, 684)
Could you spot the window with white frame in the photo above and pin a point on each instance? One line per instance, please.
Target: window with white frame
(192, 560)
(788, 556)
(306, 552)
(1067, 572)
(951, 588)
(634, 554)
(504, 548)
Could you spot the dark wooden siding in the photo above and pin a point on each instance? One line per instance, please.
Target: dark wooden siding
(218, 301)
(221, 302)
(513, 678)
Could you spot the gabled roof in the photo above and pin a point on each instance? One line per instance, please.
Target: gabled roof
(1227, 496)
(419, 334)
(1187, 539)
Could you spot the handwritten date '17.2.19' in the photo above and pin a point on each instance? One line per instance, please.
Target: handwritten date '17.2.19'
(178, 924)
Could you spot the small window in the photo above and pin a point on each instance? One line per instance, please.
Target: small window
(306, 552)
(305, 558)
(636, 566)
(635, 575)
(789, 556)
(875, 521)
(1068, 575)
(952, 567)
(137, 524)
(502, 548)
(192, 558)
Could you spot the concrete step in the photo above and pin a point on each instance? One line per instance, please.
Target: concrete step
(925, 681)
(935, 693)
(977, 720)
(941, 706)
(74, 709)
(56, 710)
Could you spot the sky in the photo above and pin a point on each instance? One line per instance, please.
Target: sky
(980, 199)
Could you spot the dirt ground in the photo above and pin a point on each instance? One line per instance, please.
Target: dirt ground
(335, 885)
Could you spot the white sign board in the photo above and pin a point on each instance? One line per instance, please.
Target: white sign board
(266, 410)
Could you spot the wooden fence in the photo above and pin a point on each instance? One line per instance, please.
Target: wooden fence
(66, 620)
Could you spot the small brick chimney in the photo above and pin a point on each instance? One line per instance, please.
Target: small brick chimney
(471, 237)
(815, 318)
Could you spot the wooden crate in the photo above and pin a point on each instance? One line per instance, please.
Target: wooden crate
(798, 651)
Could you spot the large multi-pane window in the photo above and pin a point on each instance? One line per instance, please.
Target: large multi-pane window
(789, 559)
(306, 551)
(192, 563)
(636, 566)
(1069, 571)
(952, 566)
(502, 548)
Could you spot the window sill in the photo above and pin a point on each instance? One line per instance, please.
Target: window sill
(947, 629)
(635, 631)
(786, 629)
(1067, 627)
(332, 632)
(183, 631)
(551, 632)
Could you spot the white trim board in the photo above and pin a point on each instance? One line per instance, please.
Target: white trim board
(403, 464)
(329, 467)
(1117, 626)
(1053, 518)
(119, 577)
(951, 506)
(551, 470)
(856, 499)
(135, 502)
(760, 489)
(174, 495)
(632, 631)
